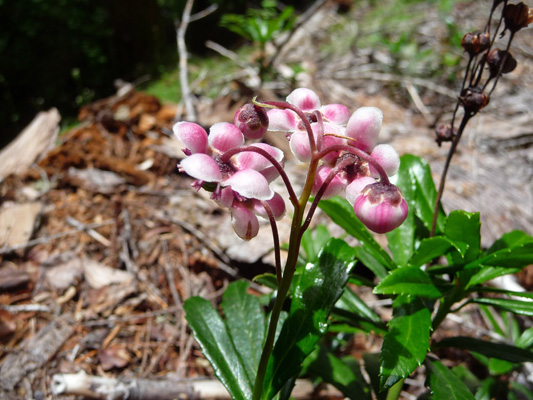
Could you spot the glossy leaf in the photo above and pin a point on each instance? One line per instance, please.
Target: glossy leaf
(212, 335)
(515, 306)
(406, 344)
(486, 273)
(318, 289)
(430, 249)
(408, 281)
(246, 323)
(341, 212)
(444, 384)
(335, 371)
(464, 227)
(487, 349)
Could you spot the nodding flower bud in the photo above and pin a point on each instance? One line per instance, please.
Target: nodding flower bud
(252, 120)
(444, 133)
(475, 43)
(381, 207)
(516, 16)
(500, 61)
(473, 100)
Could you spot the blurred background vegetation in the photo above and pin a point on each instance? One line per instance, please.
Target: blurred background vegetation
(68, 53)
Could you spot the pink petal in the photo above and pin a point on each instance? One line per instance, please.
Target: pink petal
(354, 189)
(224, 136)
(192, 135)
(300, 146)
(244, 221)
(335, 187)
(305, 99)
(226, 197)
(250, 184)
(201, 166)
(277, 206)
(282, 120)
(387, 157)
(253, 160)
(364, 126)
(336, 113)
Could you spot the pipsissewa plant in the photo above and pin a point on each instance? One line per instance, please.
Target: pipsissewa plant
(434, 263)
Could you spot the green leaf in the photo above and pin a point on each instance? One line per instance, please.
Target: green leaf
(333, 370)
(515, 306)
(487, 349)
(444, 384)
(408, 281)
(430, 249)
(372, 368)
(510, 240)
(313, 240)
(490, 289)
(317, 290)
(246, 323)
(462, 226)
(211, 334)
(268, 280)
(425, 191)
(406, 344)
(371, 262)
(352, 309)
(341, 212)
(486, 273)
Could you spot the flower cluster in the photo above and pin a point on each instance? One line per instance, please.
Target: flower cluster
(341, 148)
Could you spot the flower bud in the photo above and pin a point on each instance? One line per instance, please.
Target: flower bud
(498, 57)
(387, 157)
(516, 16)
(381, 207)
(354, 189)
(473, 100)
(252, 120)
(475, 43)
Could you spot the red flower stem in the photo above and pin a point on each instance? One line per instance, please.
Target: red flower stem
(300, 113)
(275, 237)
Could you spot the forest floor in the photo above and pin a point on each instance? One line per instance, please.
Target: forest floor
(102, 240)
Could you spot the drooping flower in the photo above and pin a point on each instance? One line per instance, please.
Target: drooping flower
(381, 207)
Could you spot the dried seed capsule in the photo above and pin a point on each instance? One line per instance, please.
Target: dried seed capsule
(516, 16)
(498, 57)
(473, 100)
(444, 133)
(252, 120)
(475, 43)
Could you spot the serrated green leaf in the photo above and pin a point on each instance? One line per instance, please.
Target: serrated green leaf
(371, 262)
(408, 281)
(341, 212)
(246, 324)
(490, 289)
(516, 257)
(406, 344)
(510, 240)
(211, 334)
(333, 370)
(464, 227)
(430, 249)
(515, 306)
(316, 292)
(487, 349)
(487, 273)
(444, 384)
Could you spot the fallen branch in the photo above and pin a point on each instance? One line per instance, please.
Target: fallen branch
(157, 389)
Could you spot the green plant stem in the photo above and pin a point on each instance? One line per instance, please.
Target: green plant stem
(394, 392)
(290, 267)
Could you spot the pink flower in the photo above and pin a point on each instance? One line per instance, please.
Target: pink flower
(363, 127)
(381, 207)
